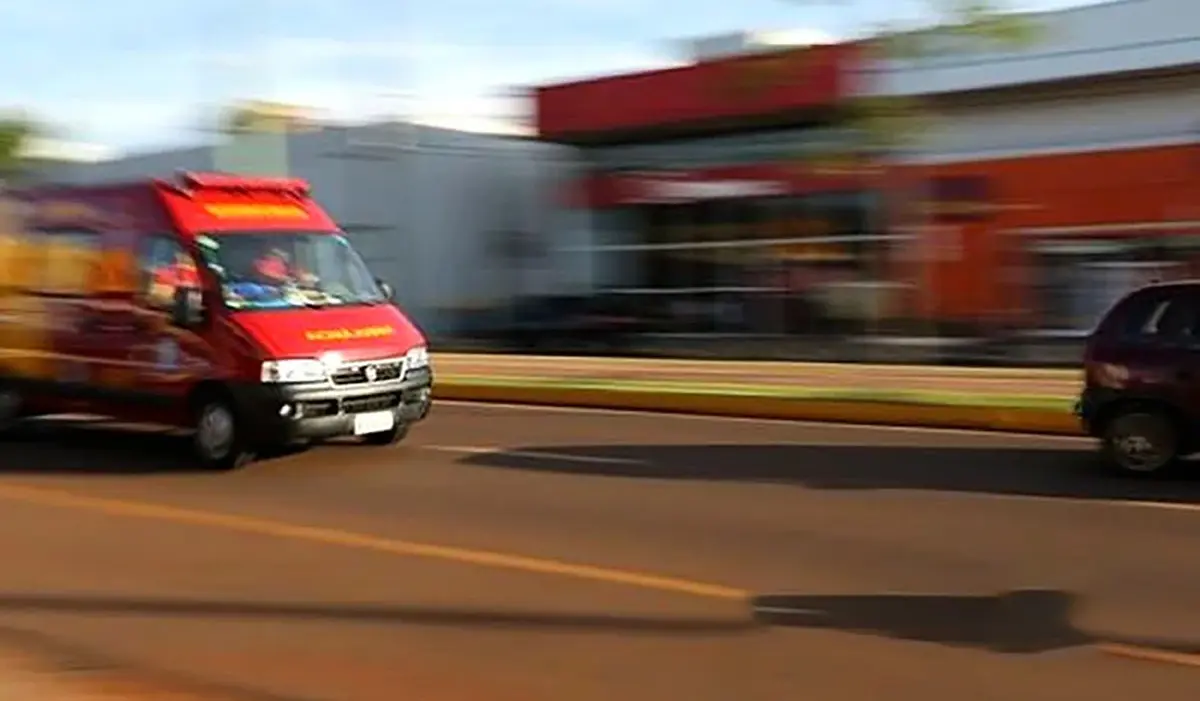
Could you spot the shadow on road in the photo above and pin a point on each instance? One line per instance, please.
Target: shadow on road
(87, 448)
(1026, 622)
(94, 448)
(376, 614)
(1021, 622)
(1018, 622)
(1062, 473)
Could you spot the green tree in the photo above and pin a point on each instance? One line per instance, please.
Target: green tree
(264, 117)
(254, 136)
(888, 122)
(16, 131)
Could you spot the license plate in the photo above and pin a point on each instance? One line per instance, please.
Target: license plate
(373, 422)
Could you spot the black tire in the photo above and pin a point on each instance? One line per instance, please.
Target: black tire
(219, 443)
(385, 438)
(1141, 441)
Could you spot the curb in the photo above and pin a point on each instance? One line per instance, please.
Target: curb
(763, 366)
(884, 413)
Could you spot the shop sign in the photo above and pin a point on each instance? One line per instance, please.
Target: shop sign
(758, 75)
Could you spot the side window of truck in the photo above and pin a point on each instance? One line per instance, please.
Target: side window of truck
(164, 267)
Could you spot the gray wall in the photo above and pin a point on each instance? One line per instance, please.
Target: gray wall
(426, 213)
(1105, 38)
(1134, 113)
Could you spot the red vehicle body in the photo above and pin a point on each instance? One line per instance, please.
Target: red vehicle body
(232, 306)
(1141, 391)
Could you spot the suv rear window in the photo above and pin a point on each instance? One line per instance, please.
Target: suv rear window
(1158, 314)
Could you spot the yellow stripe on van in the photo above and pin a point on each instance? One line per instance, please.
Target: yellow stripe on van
(256, 211)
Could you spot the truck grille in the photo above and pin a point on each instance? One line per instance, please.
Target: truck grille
(376, 402)
(313, 410)
(364, 373)
(353, 405)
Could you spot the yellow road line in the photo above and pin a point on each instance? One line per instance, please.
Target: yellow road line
(1149, 654)
(359, 541)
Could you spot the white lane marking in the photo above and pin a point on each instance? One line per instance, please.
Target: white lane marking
(786, 611)
(1141, 504)
(536, 454)
(1180, 507)
(1076, 440)
(1149, 654)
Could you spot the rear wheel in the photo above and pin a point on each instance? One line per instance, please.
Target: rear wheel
(1141, 441)
(390, 437)
(218, 441)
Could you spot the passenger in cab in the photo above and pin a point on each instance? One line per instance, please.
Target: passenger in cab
(179, 272)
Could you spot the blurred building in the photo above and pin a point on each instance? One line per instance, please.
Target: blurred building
(718, 192)
(730, 194)
(1084, 147)
(433, 211)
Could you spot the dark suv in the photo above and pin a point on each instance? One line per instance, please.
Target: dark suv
(1141, 393)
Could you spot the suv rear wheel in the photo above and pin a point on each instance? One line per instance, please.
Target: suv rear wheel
(1141, 441)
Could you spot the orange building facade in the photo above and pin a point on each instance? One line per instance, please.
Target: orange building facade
(1135, 198)
(1054, 180)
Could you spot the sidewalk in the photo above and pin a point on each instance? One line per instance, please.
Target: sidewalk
(991, 381)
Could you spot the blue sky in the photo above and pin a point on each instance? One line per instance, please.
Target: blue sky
(136, 74)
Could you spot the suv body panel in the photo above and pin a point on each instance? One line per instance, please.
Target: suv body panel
(1146, 350)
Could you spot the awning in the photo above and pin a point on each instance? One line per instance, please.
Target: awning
(1115, 230)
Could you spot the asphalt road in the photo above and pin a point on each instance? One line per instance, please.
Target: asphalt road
(516, 554)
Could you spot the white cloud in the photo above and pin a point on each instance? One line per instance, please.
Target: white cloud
(436, 83)
(795, 37)
(122, 123)
(299, 53)
(54, 149)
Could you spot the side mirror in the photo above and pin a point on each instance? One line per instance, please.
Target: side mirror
(188, 311)
(387, 290)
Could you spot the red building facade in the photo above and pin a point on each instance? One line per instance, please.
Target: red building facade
(726, 194)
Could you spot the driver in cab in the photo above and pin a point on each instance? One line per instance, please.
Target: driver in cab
(275, 267)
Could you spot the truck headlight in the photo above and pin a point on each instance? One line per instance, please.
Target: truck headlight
(417, 358)
(293, 370)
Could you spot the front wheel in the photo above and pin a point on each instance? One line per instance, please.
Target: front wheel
(218, 441)
(392, 436)
(1141, 442)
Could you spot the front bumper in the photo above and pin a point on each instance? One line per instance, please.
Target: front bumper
(280, 414)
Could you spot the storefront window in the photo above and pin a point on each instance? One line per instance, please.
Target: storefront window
(739, 149)
(791, 265)
(1075, 281)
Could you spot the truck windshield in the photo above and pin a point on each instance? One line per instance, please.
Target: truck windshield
(284, 270)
